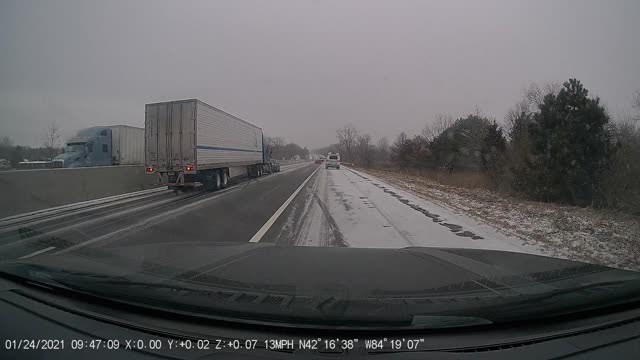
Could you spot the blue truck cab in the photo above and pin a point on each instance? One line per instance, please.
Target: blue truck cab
(90, 147)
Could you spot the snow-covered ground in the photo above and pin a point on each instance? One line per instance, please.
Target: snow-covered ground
(350, 208)
(583, 234)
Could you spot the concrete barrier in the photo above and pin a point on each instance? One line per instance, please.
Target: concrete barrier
(29, 190)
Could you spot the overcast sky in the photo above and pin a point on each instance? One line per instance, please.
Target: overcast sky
(302, 69)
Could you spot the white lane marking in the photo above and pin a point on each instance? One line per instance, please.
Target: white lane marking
(289, 168)
(263, 230)
(296, 167)
(38, 252)
(147, 222)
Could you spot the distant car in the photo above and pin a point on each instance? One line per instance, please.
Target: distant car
(5, 164)
(275, 166)
(333, 161)
(318, 161)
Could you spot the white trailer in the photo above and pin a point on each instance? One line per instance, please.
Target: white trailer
(127, 145)
(189, 143)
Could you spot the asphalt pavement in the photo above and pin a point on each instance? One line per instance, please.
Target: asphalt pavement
(233, 214)
(350, 208)
(303, 205)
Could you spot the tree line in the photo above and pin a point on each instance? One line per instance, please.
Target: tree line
(557, 144)
(284, 151)
(50, 148)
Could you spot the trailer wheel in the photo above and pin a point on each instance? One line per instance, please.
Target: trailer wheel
(213, 181)
(224, 179)
(216, 181)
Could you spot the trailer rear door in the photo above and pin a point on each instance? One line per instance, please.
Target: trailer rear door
(170, 135)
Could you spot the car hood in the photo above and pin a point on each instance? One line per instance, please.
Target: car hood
(337, 287)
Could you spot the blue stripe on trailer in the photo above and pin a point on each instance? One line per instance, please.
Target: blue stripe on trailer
(224, 148)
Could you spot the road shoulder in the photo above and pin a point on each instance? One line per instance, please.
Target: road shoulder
(581, 234)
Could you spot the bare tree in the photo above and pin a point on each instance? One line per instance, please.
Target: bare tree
(532, 98)
(51, 139)
(514, 117)
(383, 144)
(364, 149)
(636, 103)
(534, 95)
(401, 150)
(620, 187)
(347, 137)
(441, 123)
(277, 141)
(382, 151)
(268, 141)
(6, 141)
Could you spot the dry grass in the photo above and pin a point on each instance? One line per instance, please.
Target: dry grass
(469, 180)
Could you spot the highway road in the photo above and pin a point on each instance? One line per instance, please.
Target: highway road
(303, 205)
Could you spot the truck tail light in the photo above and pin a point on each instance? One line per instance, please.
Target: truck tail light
(189, 168)
(149, 169)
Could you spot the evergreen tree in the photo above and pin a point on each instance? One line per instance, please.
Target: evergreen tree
(569, 142)
(493, 146)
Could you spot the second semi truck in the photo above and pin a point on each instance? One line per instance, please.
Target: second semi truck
(101, 146)
(189, 143)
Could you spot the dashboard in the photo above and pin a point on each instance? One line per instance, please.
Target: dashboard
(39, 323)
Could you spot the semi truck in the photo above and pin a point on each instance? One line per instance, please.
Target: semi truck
(191, 144)
(103, 146)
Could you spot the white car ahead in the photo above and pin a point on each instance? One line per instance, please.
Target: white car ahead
(333, 161)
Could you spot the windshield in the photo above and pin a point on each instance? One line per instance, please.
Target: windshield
(74, 147)
(324, 164)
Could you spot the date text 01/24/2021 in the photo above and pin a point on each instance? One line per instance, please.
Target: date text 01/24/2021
(206, 344)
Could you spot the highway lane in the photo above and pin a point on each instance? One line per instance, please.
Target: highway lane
(304, 205)
(233, 214)
(349, 208)
(234, 217)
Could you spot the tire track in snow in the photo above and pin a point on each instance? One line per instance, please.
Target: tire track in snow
(295, 230)
(338, 238)
(403, 234)
(454, 228)
(309, 221)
